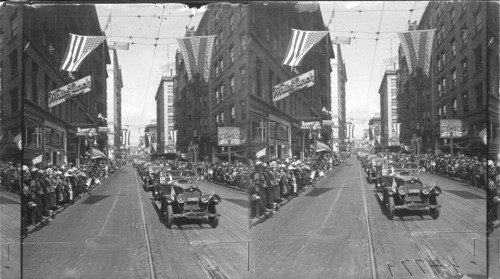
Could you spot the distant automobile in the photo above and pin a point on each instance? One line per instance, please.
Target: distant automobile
(150, 177)
(179, 199)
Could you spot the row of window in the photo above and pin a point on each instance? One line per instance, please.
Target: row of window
(442, 110)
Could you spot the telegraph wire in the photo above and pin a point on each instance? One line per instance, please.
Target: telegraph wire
(151, 70)
(375, 50)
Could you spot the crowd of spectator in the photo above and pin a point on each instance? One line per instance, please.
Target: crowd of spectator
(46, 188)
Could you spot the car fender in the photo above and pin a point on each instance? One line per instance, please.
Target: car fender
(437, 190)
(216, 198)
(168, 199)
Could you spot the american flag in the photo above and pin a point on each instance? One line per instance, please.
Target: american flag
(417, 47)
(300, 44)
(78, 49)
(396, 127)
(350, 130)
(197, 54)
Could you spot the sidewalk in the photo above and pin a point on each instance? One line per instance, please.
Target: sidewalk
(46, 220)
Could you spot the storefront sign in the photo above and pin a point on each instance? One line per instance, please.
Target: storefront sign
(61, 94)
(104, 129)
(452, 128)
(315, 125)
(86, 132)
(284, 89)
(230, 136)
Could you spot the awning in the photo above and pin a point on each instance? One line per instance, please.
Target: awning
(96, 153)
(321, 146)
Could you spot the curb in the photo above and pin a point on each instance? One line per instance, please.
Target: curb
(46, 220)
(456, 179)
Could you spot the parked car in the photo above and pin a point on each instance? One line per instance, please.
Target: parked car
(407, 192)
(180, 199)
(150, 177)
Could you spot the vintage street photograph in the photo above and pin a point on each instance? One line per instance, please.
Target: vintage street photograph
(278, 139)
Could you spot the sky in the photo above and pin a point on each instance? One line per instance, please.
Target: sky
(364, 57)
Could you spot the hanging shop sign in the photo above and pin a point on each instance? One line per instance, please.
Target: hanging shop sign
(230, 136)
(284, 89)
(61, 94)
(452, 128)
(313, 125)
(89, 132)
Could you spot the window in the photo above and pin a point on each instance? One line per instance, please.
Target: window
(34, 82)
(478, 23)
(270, 82)
(222, 95)
(13, 27)
(479, 95)
(14, 102)
(443, 57)
(216, 69)
(231, 53)
(231, 23)
(217, 96)
(243, 109)
(444, 85)
(464, 34)
(231, 85)
(221, 38)
(243, 77)
(13, 63)
(243, 41)
(452, 18)
(478, 57)
(465, 102)
(438, 36)
(465, 72)
(455, 107)
(258, 82)
(440, 112)
(453, 78)
(440, 89)
(221, 65)
(444, 111)
(233, 114)
(439, 65)
(453, 48)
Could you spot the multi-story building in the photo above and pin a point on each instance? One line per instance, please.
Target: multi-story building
(150, 138)
(246, 64)
(338, 78)
(34, 45)
(114, 103)
(165, 114)
(10, 81)
(388, 108)
(191, 109)
(493, 68)
(461, 75)
(375, 124)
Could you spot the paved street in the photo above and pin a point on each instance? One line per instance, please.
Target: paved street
(117, 233)
(10, 230)
(494, 254)
(339, 230)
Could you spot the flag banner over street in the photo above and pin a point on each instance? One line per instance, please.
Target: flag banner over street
(417, 46)
(350, 130)
(396, 127)
(300, 43)
(79, 48)
(197, 53)
(60, 95)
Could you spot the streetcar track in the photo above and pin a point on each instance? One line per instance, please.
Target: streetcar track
(368, 228)
(242, 229)
(465, 222)
(212, 270)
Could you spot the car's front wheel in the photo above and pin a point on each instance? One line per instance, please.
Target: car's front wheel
(390, 208)
(168, 216)
(434, 212)
(213, 221)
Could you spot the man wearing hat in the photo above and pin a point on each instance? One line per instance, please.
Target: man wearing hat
(257, 184)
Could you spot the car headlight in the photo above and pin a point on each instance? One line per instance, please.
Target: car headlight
(402, 190)
(205, 198)
(181, 198)
(426, 190)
